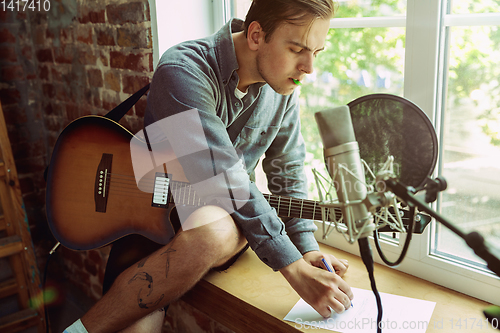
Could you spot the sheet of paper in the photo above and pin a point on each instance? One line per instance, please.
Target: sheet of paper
(400, 314)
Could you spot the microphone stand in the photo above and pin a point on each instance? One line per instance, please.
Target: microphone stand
(473, 239)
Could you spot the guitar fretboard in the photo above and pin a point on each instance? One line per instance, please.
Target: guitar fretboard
(300, 208)
(181, 193)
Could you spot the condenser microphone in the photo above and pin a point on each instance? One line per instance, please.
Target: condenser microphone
(341, 153)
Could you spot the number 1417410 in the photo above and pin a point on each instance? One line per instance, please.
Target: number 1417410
(473, 323)
(25, 5)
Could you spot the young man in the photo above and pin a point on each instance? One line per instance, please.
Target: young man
(251, 67)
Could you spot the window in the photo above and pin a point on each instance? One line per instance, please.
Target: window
(443, 56)
(169, 32)
(470, 128)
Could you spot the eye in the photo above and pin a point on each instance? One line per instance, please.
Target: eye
(316, 53)
(296, 50)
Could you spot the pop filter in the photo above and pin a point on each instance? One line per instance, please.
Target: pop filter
(387, 125)
(395, 139)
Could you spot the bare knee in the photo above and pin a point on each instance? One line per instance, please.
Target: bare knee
(216, 230)
(204, 216)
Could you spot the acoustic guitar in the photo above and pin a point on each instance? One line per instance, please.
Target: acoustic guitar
(93, 199)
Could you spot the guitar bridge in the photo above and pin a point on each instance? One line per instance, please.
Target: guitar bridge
(101, 187)
(161, 190)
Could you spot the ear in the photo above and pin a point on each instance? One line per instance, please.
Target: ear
(255, 36)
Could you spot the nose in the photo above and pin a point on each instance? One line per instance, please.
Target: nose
(306, 64)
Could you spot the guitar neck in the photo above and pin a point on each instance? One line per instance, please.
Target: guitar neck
(299, 208)
(182, 194)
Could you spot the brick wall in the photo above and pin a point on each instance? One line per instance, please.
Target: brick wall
(79, 58)
(20, 92)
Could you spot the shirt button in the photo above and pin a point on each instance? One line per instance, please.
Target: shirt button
(263, 132)
(237, 104)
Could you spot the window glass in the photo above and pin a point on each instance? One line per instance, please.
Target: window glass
(343, 9)
(370, 8)
(239, 8)
(355, 62)
(474, 6)
(471, 139)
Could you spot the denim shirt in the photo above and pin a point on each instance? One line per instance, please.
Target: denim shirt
(201, 75)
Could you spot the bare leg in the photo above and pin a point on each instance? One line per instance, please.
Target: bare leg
(166, 274)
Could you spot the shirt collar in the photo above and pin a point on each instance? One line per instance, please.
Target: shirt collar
(226, 54)
(225, 49)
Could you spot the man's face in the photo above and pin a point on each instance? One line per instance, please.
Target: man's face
(290, 53)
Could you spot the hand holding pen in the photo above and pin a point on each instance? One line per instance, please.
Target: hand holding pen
(324, 291)
(330, 269)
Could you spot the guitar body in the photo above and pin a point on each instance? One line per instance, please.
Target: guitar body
(71, 189)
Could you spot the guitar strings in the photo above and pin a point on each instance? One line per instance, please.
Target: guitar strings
(126, 184)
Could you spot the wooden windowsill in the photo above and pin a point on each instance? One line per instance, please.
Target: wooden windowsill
(250, 297)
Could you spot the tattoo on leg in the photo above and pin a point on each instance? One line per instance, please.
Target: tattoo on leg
(141, 263)
(142, 299)
(168, 252)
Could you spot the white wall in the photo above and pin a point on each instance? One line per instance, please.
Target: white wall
(174, 21)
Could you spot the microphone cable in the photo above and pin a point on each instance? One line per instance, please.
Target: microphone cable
(366, 256)
(406, 245)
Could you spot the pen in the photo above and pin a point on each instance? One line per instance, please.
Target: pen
(330, 269)
(297, 82)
